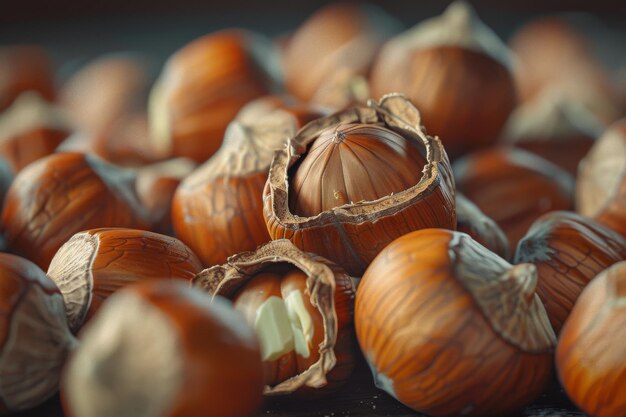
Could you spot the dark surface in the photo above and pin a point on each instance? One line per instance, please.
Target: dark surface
(361, 398)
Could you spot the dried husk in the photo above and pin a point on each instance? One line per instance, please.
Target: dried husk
(331, 292)
(351, 235)
(218, 209)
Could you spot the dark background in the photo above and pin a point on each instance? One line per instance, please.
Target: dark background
(74, 31)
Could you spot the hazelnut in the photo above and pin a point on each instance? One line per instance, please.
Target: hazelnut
(165, 349)
(450, 328)
(218, 209)
(555, 128)
(590, 358)
(96, 263)
(300, 306)
(24, 68)
(335, 48)
(62, 194)
(337, 223)
(30, 129)
(203, 86)
(513, 187)
(601, 185)
(568, 251)
(35, 339)
(446, 65)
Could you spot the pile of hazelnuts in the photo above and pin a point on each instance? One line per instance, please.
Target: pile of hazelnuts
(268, 213)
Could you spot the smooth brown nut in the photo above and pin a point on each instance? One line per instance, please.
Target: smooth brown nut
(513, 187)
(590, 358)
(62, 194)
(568, 251)
(34, 337)
(351, 234)
(94, 264)
(162, 348)
(450, 328)
(201, 89)
(446, 65)
(601, 184)
(301, 307)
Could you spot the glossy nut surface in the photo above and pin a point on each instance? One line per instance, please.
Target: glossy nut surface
(590, 357)
(568, 250)
(446, 65)
(451, 329)
(94, 264)
(352, 234)
(62, 194)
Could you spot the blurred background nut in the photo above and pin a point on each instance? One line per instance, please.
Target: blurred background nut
(601, 185)
(164, 349)
(35, 339)
(25, 68)
(335, 48)
(554, 127)
(31, 129)
(203, 86)
(568, 251)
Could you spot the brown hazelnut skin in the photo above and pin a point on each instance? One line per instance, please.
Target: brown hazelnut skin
(105, 91)
(34, 337)
(450, 328)
(554, 127)
(601, 181)
(62, 194)
(201, 89)
(163, 348)
(353, 233)
(336, 43)
(24, 68)
(94, 264)
(569, 250)
(590, 358)
(327, 292)
(443, 66)
(513, 187)
(218, 209)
